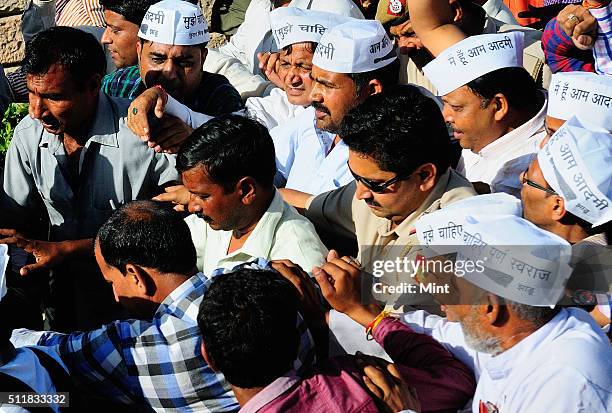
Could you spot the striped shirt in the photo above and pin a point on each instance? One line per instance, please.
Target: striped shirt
(602, 50)
(79, 13)
(561, 54)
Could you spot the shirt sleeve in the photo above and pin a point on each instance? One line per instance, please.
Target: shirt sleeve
(441, 381)
(190, 117)
(334, 210)
(602, 49)
(221, 97)
(560, 53)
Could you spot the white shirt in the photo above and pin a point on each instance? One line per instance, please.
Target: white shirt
(561, 367)
(281, 233)
(273, 110)
(500, 163)
(305, 158)
(26, 367)
(253, 36)
(498, 10)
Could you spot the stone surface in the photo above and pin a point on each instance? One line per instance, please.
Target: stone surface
(11, 7)
(12, 46)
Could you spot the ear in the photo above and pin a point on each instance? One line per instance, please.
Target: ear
(427, 175)
(139, 280)
(207, 358)
(494, 310)
(501, 107)
(457, 10)
(138, 49)
(373, 87)
(558, 208)
(247, 189)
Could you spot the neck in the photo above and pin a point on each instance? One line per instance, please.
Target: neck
(244, 395)
(165, 284)
(259, 208)
(571, 233)
(519, 331)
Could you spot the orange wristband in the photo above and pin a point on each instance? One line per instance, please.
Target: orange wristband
(370, 327)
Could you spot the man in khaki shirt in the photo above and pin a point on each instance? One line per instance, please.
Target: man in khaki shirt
(399, 154)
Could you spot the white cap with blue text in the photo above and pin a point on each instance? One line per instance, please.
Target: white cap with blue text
(576, 164)
(346, 8)
(473, 57)
(582, 94)
(356, 46)
(174, 22)
(515, 259)
(292, 25)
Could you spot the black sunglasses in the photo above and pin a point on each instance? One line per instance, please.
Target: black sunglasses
(525, 180)
(377, 187)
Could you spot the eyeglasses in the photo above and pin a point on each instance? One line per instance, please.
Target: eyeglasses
(377, 187)
(525, 180)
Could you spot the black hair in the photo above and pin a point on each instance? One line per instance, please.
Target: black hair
(474, 18)
(401, 129)
(148, 234)
(387, 75)
(76, 51)
(131, 10)
(248, 324)
(230, 147)
(515, 83)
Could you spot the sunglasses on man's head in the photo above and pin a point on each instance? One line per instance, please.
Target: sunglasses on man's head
(377, 187)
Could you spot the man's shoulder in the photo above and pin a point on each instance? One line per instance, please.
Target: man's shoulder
(458, 188)
(121, 82)
(27, 134)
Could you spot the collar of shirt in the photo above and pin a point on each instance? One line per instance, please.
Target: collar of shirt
(513, 138)
(175, 298)
(105, 115)
(271, 392)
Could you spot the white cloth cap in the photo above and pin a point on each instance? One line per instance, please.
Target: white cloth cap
(510, 257)
(473, 57)
(292, 25)
(576, 164)
(585, 95)
(174, 22)
(345, 8)
(356, 46)
(4, 258)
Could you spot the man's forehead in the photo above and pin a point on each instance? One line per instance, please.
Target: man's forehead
(322, 75)
(172, 50)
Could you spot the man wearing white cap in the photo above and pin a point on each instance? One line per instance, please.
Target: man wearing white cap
(567, 190)
(528, 355)
(352, 61)
(296, 32)
(172, 49)
(26, 369)
(491, 102)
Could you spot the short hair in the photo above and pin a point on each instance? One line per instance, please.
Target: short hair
(248, 324)
(131, 10)
(76, 51)
(387, 75)
(230, 147)
(400, 129)
(538, 316)
(148, 234)
(515, 83)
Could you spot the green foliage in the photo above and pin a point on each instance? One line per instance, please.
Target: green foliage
(12, 116)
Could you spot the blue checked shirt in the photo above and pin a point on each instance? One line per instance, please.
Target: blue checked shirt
(153, 363)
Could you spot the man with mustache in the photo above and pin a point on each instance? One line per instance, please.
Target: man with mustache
(353, 61)
(72, 161)
(171, 51)
(227, 165)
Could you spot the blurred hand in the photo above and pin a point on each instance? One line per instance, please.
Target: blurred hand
(169, 134)
(177, 194)
(268, 63)
(47, 254)
(582, 28)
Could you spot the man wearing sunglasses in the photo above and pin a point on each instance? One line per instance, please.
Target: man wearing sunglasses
(567, 191)
(399, 155)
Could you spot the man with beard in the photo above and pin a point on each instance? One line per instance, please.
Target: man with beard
(73, 161)
(352, 61)
(528, 354)
(171, 52)
(227, 165)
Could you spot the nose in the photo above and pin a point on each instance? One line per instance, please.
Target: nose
(169, 69)
(362, 193)
(194, 206)
(293, 78)
(106, 36)
(37, 106)
(447, 114)
(315, 93)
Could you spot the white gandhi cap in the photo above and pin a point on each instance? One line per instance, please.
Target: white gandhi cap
(473, 57)
(356, 46)
(513, 258)
(174, 22)
(576, 164)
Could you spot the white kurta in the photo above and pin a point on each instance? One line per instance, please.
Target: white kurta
(498, 10)
(501, 162)
(305, 158)
(565, 366)
(273, 110)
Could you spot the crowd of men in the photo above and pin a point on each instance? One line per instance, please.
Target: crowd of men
(329, 213)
